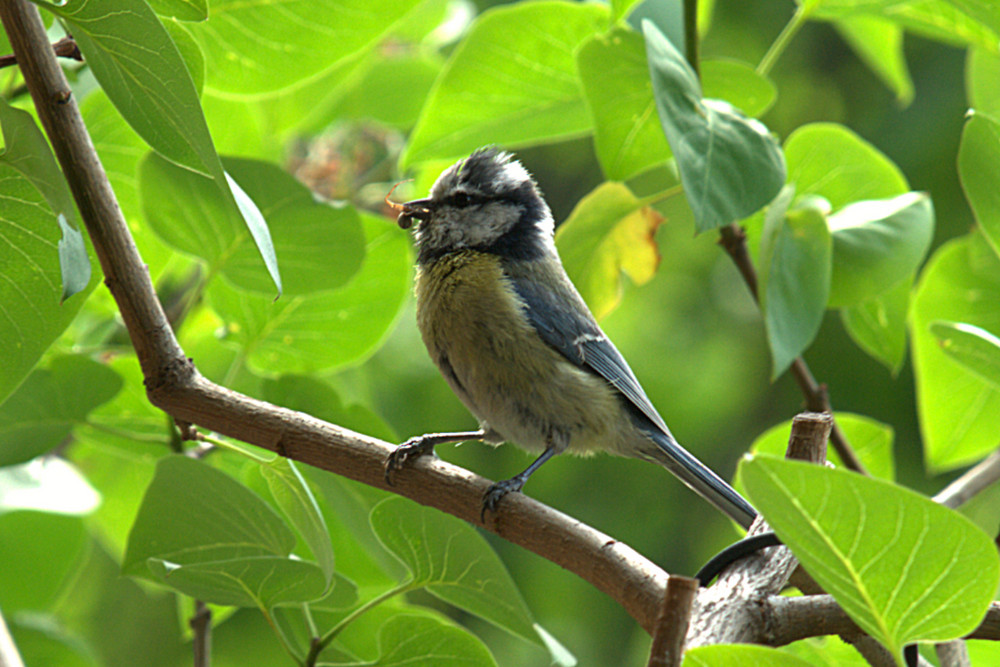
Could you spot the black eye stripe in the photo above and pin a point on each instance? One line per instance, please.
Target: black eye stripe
(463, 199)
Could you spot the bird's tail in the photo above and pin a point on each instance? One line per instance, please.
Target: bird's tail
(699, 477)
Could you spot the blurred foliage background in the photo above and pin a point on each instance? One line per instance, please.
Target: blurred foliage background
(692, 334)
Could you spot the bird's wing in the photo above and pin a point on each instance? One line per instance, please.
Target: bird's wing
(562, 320)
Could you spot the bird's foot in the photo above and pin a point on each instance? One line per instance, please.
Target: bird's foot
(494, 494)
(413, 448)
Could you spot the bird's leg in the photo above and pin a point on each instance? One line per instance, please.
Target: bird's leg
(496, 492)
(423, 444)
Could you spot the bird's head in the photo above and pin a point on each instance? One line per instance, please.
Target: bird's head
(488, 202)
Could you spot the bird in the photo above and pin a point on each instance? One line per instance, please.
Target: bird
(515, 341)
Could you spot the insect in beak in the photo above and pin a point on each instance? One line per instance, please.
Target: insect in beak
(418, 209)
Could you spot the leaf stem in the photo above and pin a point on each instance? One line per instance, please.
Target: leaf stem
(691, 35)
(784, 37)
(322, 642)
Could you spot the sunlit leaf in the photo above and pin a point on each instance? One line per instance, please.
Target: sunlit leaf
(507, 85)
(256, 49)
(27, 151)
(878, 324)
(976, 349)
(903, 567)
(610, 232)
(454, 563)
(627, 134)
(979, 169)
(958, 411)
(878, 42)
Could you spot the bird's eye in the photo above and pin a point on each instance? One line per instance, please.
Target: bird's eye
(461, 199)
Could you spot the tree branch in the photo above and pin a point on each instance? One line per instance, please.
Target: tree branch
(667, 649)
(974, 480)
(64, 48)
(174, 385)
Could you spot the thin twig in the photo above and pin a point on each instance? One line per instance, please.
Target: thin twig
(64, 48)
(201, 626)
(667, 649)
(691, 35)
(973, 481)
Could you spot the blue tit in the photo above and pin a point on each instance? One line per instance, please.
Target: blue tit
(515, 341)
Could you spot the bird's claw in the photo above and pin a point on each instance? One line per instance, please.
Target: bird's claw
(411, 449)
(494, 494)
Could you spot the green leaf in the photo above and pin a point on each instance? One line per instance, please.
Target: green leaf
(249, 581)
(621, 8)
(323, 330)
(262, 48)
(194, 514)
(876, 244)
(942, 20)
(958, 411)
(27, 151)
(189, 213)
(903, 567)
(609, 232)
(740, 655)
(878, 324)
(318, 398)
(730, 165)
(293, 496)
(976, 349)
(739, 84)
(184, 10)
(390, 90)
(831, 161)
(408, 639)
(259, 232)
(507, 85)
(982, 76)
(453, 562)
(189, 50)
(985, 12)
(44, 410)
(31, 315)
(619, 94)
(34, 571)
(871, 440)
(42, 640)
(141, 70)
(978, 157)
(795, 257)
(878, 42)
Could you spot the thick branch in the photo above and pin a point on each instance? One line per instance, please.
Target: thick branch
(174, 385)
(795, 618)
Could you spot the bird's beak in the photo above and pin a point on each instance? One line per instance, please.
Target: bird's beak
(419, 209)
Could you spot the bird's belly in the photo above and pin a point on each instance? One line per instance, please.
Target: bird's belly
(508, 377)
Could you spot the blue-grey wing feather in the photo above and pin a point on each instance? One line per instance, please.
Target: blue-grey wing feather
(576, 335)
(571, 329)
